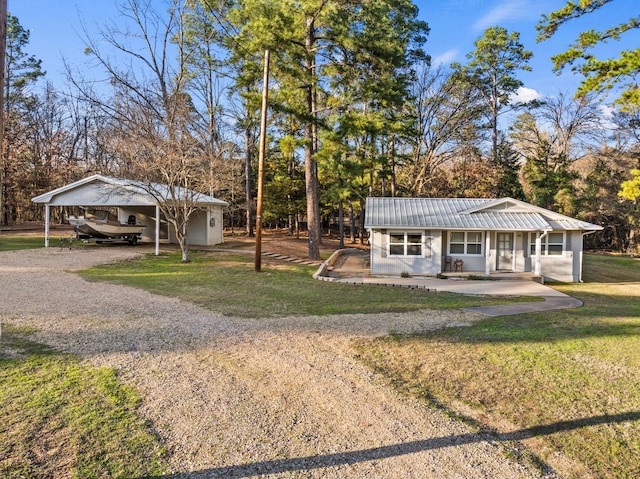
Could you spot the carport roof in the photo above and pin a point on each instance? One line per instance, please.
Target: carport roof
(99, 190)
(504, 214)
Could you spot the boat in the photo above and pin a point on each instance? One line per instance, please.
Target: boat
(104, 225)
(75, 220)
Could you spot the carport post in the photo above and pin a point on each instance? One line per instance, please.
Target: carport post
(157, 230)
(536, 269)
(46, 225)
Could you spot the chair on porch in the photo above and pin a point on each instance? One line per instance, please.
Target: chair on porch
(458, 264)
(447, 263)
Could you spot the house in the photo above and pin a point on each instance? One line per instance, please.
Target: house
(142, 201)
(428, 236)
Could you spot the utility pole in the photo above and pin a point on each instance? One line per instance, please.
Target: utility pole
(261, 153)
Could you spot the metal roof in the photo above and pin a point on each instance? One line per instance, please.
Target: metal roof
(98, 190)
(504, 214)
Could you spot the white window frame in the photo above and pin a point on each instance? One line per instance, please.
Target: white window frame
(466, 243)
(406, 244)
(545, 244)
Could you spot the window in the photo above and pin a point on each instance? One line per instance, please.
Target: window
(405, 244)
(551, 245)
(465, 242)
(456, 244)
(474, 243)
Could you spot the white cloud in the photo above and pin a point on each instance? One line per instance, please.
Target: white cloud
(524, 95)
(445, 58)
(606, 120)
(507, 10)
(607, 111)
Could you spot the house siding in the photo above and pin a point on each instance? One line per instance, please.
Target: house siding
(564, 268)
(382, 263)
(471, 263)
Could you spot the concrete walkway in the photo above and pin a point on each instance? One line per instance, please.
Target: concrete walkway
(353, 269)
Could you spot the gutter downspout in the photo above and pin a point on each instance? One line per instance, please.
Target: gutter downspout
(538, 266)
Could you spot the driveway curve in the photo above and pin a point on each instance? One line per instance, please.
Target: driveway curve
(229, 397)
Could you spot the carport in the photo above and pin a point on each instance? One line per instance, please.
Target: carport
(133, 198)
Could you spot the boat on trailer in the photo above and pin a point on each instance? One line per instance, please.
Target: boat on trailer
(103, 225)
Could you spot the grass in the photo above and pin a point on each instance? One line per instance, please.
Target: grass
(61, 418)
(15, 242)
(227, 283)
(569, 380)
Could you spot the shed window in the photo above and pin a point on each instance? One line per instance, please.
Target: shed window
(465, 243)
(551, 245)
(405, 244)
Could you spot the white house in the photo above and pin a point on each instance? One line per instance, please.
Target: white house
(428, 236)
(134, 198)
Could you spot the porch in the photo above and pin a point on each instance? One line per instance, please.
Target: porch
(495, 276)
(353, 263)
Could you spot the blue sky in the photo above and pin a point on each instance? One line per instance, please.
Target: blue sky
(55, 27)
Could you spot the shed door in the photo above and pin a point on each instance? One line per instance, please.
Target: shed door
(505, 251)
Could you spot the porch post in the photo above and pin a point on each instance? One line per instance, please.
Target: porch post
(514, 250)
(157, 230)
(538, 252)
(487, 253)
(47, 217)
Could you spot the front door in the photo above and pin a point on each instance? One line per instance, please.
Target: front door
(505, 251)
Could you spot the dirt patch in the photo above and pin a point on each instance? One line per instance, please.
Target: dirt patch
(36, 230)
(282, 242)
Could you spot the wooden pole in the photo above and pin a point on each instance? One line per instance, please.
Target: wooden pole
(261, 153)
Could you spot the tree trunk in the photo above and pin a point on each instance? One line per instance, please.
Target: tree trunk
(248, 185)
(3, 159)
(313, 204)
(352, 223)
(341, 223)
(310, 136)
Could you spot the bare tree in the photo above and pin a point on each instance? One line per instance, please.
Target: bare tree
(444, 108)
(572, 122)
(154, 119)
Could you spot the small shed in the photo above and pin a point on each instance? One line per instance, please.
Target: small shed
(130, 197)
(429, 236)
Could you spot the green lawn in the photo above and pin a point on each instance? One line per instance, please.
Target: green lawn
(570, 379)
(61, 418)
(227, 283)
(14, 242)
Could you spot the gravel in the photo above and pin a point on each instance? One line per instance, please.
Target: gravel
(231, 397)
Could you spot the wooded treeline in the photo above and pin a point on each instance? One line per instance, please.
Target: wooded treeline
(355, 110)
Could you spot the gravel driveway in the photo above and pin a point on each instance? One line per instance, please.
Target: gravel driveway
(242, 398)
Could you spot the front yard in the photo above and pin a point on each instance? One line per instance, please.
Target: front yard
(567, 381)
